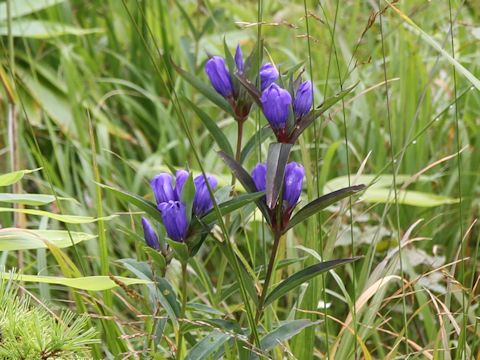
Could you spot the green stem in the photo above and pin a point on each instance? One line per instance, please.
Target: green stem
(268, 277)
(183, 290)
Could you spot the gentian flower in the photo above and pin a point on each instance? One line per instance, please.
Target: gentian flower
(292, 184)
(174, 217)
(219, 76)
(259, 175)
(150, 236)
(268, 74)
(239, 59)
(303, 99)
(294, 175)
(276, 104)
(202, 201)
(171, 206)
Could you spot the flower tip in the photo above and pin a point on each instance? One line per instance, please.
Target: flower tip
(149, 234)
(220, 78)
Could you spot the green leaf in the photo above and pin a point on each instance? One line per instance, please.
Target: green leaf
(70, 219)
(89, 283)
(246, 180)
(180, 250)
(157, 258)
(303, 276)
(136, 200)
(205, 89)
(163, 291)
(380, 190)
(40, 29)
(22, 239)
(187, 195)
(314, 114)
(277, 158)
(13, 177)
(285, 331)
(27, 199)
(406, 197)
(213, 129)
(25, 7)
(321, 203)
(231, 205)
(207, 346)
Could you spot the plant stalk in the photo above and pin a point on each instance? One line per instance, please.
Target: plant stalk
(183, 290)
(268, 277)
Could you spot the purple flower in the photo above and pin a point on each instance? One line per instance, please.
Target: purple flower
(292, 184)
(292, 188)
(202, 201)
(303, 99)
(259, 175)
(219, 76)
(239, 59)
(162, 188)
(276, 104)
(180, 178)
(268, 74)
(174, 219)
(150, 236)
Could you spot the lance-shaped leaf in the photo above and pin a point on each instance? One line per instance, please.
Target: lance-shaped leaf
(208, 345)
(285, 331)
(314, 114)
(303, 276)
(212, 128)
(187, 195)
(27, 199)
(250, 87)
(321, 203)
(13, 177)
(180, 249)
(276, 161)
(136, 200)
(89, 283)
(246, 180)
(205, 89)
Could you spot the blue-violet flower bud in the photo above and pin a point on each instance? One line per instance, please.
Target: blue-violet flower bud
(276, 104)
(268, 74)
(303, 99)
(239, 59)
(150, 236)
(292, 188)
(174, 219)
(202, 201)
(219, 76)
(259, 175)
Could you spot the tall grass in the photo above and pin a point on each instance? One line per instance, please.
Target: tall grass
(97, 100)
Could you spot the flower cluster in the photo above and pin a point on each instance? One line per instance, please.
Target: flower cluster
(281, 108)
(172, 206)
(225, 83)
(292, 188)
(277, 106)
